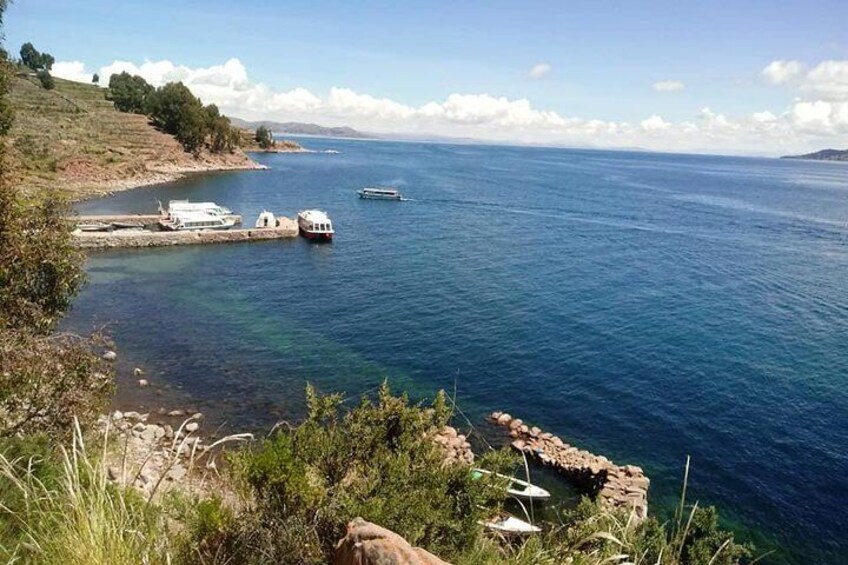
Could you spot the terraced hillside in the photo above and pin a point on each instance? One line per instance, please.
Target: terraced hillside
(72, 139)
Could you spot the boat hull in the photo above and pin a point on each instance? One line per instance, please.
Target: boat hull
(317, 237)
(379, 197)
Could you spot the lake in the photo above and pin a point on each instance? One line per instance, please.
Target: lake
(643, 306)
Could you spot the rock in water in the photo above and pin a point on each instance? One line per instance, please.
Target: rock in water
(143, 383)
(138, 372)
(110, 356)
(369, 544)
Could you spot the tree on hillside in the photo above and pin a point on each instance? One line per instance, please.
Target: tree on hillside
(179, 112)
(128, 92)
(31, 57)
(222, 136)
(264, 137)
(95, 79)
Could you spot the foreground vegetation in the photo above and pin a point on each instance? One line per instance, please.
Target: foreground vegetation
(288, 498)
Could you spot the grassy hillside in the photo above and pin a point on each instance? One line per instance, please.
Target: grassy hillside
(72, 139)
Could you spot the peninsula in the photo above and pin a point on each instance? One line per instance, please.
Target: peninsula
(72, 137)
(823, 155)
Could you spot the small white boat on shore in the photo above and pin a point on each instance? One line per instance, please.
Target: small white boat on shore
(372, 193)
(508, 524)
(516, 487)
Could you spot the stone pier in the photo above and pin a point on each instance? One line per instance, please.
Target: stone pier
(613, 486)
(285, 228)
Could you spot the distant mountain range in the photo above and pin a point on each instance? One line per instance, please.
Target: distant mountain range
(823, 155)
(300, 128)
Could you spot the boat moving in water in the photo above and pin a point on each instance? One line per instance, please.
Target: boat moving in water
(371, 193)
(315, 225)
(516, 487)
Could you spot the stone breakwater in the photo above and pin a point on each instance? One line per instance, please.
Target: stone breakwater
(613, 486)
(286, 228)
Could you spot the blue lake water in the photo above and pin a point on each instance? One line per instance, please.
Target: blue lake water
(644, 306)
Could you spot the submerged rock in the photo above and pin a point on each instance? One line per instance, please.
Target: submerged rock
(110, 356)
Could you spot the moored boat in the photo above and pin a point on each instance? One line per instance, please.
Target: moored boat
(211, 208)
(192, 221)
(516, 487)
(510, 525)
(372, 193)
(315, 225)
(94, 226)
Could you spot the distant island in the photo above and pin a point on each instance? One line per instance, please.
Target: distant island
(823, 155)
(300, 128)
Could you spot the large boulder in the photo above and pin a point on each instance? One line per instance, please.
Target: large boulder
(369, 544)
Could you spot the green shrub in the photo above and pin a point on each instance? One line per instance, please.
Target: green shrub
(46, 382)
(46, 79)
(377, 461)
(40, 269)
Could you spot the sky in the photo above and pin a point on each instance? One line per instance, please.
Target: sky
(740, 77)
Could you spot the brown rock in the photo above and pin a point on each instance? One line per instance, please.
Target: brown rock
(369, 544)
(504, 419)
(515, 424)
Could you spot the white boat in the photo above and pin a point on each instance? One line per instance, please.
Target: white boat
(211, 208)
(94, 226)
(191, 221)
(315, 225)
(508, 524)
(516, 487)
(372, 193)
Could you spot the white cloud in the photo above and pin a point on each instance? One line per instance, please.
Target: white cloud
(805, 124)
(781, 72)
(71, 70)
(654, 123)
(668, 86)
(828, 79)
(540, 70)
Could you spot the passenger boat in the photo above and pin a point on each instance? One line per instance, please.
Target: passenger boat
(379, 193)
(191, 221)
(505, 523)
(315, 225)
(211, 208)
(516, 487)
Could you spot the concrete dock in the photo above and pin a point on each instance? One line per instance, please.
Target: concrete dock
(285, 228)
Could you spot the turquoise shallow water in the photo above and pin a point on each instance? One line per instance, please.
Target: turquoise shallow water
(644, 306)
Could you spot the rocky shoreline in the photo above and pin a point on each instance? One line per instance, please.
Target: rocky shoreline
(160, 174)
(154, 456)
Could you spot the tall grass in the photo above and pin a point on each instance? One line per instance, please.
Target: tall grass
(75, 515)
